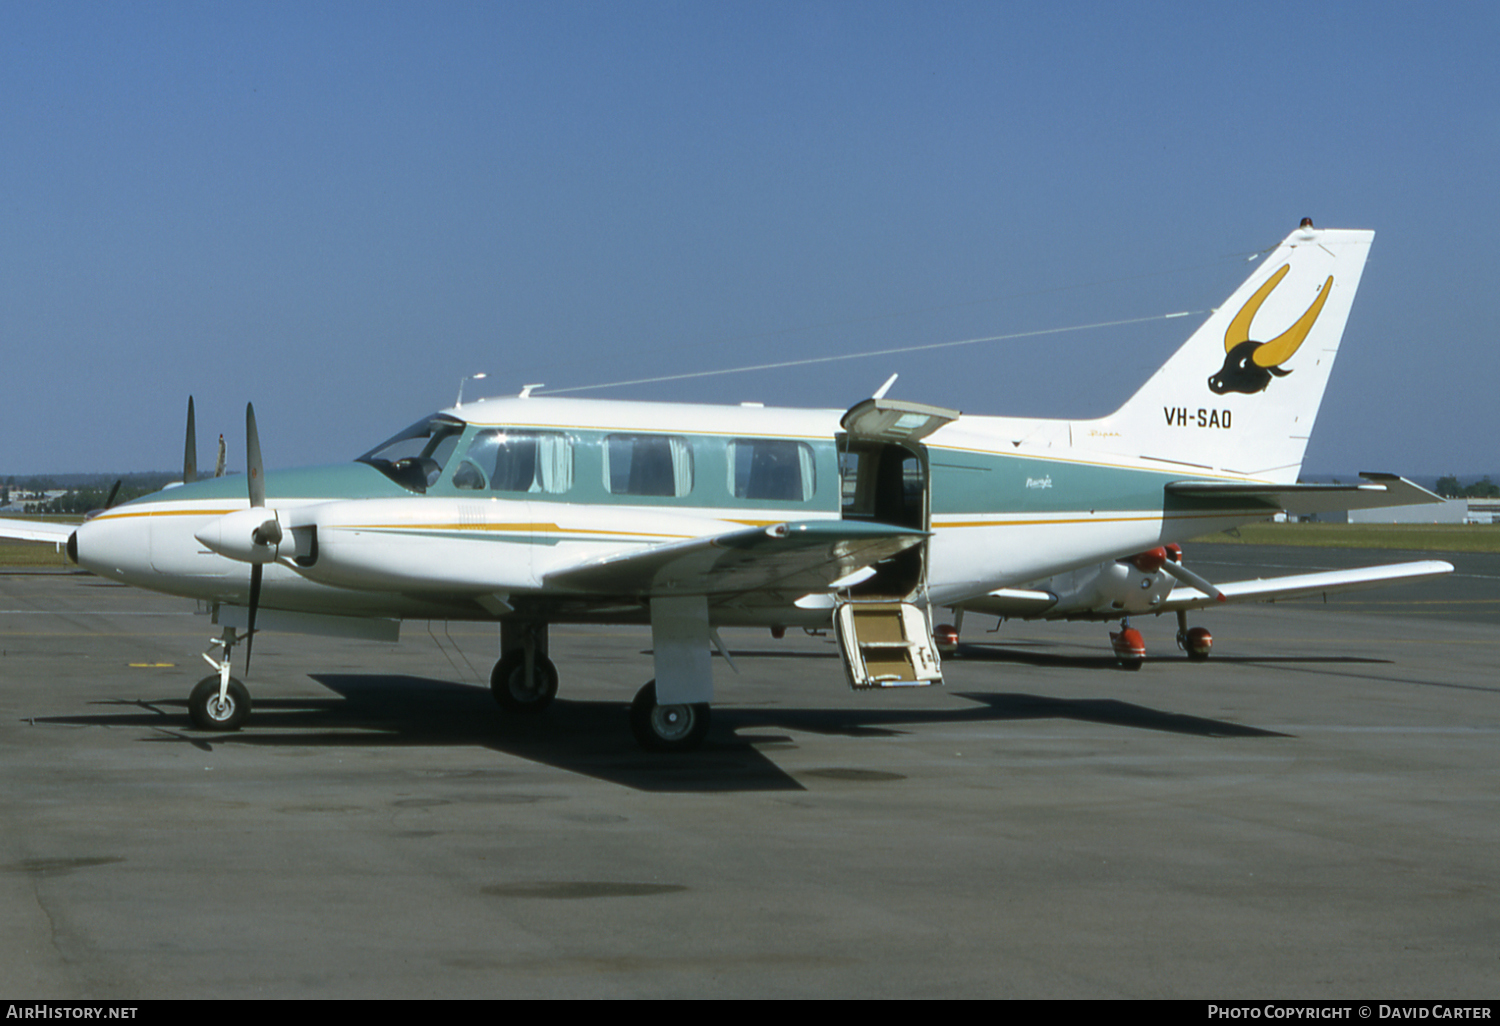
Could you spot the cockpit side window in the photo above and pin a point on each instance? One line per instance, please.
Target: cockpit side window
(415, 458)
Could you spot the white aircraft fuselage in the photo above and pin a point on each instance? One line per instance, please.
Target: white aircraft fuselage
(1007, 501)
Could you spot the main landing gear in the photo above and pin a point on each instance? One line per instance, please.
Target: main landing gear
(1195, 641)
(524, 682)
(667, 728)
(1129, 646)
(519, 690)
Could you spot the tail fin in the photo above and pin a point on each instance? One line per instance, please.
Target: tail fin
(1242, 393)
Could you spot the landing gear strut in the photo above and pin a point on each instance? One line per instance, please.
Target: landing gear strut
(667, 728)
(1129, 646)
(524, 680)
(219, 701)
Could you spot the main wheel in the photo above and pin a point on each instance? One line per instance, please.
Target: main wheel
(1197, 643)
(209, 713)
(667, 728)
(1129, 646)
(514, 692)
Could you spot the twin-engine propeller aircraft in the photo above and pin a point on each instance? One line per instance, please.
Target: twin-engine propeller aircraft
(531, 511)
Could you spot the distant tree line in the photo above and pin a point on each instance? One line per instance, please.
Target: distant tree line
(1451, 488)
(81, 496)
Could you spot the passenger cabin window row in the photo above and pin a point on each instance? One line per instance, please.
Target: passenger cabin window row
(644, 465)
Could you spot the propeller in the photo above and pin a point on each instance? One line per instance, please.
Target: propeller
(190, 449)
(269, 531)
(1186, 576)
(109, 501)
(1169, 558)
(253, 535)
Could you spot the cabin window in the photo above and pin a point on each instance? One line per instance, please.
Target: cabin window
(518, 461)
(765, 468)
(657, 465)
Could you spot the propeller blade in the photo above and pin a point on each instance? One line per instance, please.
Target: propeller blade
(1186, 576)
(255, 571)
(190, 449)
(254, 469)
(113, 491)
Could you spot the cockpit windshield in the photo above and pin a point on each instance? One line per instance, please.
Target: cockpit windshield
(415, 458)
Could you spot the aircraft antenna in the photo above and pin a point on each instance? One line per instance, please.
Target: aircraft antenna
(878, 352)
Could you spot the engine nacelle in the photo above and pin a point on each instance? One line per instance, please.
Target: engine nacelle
(1109, 590)
(253, 535)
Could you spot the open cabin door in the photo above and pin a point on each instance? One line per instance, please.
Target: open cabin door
(883, 622)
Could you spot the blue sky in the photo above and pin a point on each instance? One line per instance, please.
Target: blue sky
(338, 210)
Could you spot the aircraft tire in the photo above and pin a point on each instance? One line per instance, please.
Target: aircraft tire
(208, 713)
(667, 728)
(511, 690)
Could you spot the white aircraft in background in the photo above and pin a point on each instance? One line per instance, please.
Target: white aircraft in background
(1155, 582)
(530, 511)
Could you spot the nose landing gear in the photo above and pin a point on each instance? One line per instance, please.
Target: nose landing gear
(220, 702)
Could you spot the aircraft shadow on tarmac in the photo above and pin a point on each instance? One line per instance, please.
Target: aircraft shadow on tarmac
(592, 737)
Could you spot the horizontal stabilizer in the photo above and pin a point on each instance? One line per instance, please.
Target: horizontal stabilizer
(801, 557)
(1377, 491)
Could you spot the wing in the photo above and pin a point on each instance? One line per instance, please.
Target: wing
(36, 530)
(1303, 585)
(1037, 604)
(805, 557)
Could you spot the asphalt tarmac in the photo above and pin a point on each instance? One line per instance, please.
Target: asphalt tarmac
(1314, 813)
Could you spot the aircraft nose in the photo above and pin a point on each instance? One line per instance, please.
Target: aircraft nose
(112, 546)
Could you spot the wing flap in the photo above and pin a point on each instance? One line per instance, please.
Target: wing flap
(1022, 603)
(802, 557)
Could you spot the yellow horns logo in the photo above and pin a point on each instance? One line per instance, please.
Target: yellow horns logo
(1249, 365)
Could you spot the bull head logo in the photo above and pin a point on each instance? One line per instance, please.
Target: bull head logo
(1249, 365)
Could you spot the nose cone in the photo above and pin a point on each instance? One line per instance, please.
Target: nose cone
(117, 546)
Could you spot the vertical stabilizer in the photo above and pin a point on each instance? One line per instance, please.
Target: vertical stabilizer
(1242, 393)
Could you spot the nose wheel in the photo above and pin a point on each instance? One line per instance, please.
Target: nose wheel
(209, 710)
